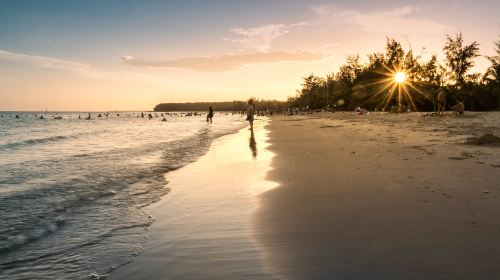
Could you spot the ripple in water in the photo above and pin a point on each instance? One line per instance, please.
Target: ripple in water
(72, 191)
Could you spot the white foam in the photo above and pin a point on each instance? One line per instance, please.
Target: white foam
(16, 239)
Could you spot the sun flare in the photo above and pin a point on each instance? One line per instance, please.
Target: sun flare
(400, 77)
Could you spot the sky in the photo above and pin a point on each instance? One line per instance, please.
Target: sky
(131, 55)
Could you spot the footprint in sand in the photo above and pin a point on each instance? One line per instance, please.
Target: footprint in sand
(457, 158)
(330, 126)
(446, 195)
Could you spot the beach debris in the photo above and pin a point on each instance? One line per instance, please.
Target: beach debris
(486, 139)
(486, 191)
(495, 165)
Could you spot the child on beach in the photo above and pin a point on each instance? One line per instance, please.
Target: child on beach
(250, 113)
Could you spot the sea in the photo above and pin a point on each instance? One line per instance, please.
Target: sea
(73, 190)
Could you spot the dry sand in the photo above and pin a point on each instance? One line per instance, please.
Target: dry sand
(382, 196)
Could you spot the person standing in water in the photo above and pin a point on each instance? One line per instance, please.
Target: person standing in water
(210, 114)
(250, 113)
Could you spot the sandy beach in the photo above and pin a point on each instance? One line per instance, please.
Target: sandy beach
(381, 196)
(333, 196)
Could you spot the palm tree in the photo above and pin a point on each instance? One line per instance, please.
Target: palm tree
(492, 74)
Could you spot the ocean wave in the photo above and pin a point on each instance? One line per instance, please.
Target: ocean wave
(36, 141)
(89, 199)
(14, 241)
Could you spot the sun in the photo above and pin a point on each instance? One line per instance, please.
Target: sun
(396, 85)
(400, 77)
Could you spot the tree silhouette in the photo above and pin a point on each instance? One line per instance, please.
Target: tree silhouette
(492, 74)
(369, 84)
(460, 57)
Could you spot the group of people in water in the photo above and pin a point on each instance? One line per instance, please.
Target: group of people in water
(457, 109)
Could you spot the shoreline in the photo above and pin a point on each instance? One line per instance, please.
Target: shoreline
(202, 227)
(339, 195)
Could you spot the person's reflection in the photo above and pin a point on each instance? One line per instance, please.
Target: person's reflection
(253, 144)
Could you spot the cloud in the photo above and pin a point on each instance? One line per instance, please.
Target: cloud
(54, 63)
(226, 62)
(401, 20)
(88, 71)
(260, 38)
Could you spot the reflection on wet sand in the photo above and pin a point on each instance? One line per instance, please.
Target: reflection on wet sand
(253, 144)
(203, 228)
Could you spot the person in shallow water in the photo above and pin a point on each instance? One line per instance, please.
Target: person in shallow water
(210, 114)
(250, 113)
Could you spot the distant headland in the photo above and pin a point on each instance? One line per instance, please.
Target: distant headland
(230, 106)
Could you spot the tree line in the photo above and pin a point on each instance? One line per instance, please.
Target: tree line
(371, 85)
(234, 106)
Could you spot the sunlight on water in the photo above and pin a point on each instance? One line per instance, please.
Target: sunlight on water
(206, 220)
(71, 184)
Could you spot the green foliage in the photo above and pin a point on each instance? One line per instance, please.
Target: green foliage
(371, 85)
(459, 58)
(492, 75)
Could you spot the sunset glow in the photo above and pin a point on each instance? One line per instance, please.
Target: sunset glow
(122, 55)
(400, 77)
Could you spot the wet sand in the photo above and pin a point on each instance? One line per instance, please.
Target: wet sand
(203, 228)
(381, 196)
(333, 196)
